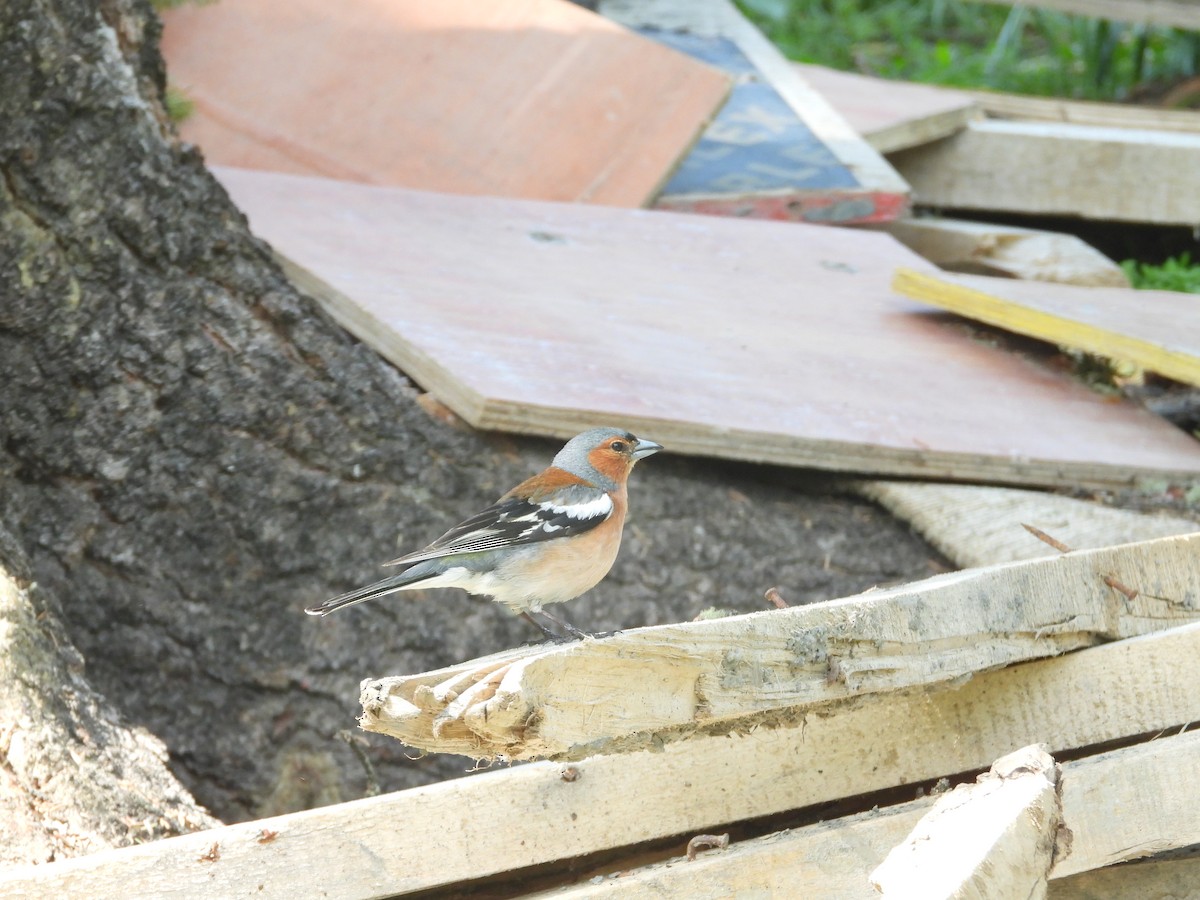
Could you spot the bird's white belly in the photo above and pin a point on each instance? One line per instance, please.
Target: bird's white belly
(531, 577)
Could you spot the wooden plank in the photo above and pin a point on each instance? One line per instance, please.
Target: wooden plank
(996, 837)
(1173, 13)
(1008, 251)
(1155, 330)
(892, 115)
(626, 316)
(982, 526)
(1083, 112)
(777, 150)
(1113, 173)
(1158, 879)
(525, 98)
(727, 674)
(1119, 806)
(511, 818)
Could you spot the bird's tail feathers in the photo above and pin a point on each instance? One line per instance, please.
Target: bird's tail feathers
(359, 595)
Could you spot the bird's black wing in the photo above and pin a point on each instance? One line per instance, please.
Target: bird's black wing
(514, 521)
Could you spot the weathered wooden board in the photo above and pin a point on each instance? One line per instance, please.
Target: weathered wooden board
(892, 115)
(1154, 879)
(523, 98)
(1176, 13)
(982, 526)
(1156, 330)
(1094, 172)
(727, 674)
(1120, 806)
(777, 150)
(511, 818)
(1008, 251)
(759, 341)
(1082, 112)
(995, 837)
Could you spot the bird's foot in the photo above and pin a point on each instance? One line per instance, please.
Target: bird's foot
(557, 637)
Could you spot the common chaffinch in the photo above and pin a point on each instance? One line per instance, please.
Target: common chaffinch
(548, 540)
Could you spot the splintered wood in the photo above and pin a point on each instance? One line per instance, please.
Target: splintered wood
(994, 838)
(1121, 806)
(724, 675)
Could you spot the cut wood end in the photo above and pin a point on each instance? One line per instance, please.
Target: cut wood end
(996, 837)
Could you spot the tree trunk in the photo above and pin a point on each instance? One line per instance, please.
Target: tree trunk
(191, 452)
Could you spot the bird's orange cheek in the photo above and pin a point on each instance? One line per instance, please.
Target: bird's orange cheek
(609, 464)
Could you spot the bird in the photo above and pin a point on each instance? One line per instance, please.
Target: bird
(550, 539)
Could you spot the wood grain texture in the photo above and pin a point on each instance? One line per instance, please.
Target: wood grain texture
(995, 837)
(511, 818)
(1156, 330)
(524, 98)
(726, 674)
(982, 526)
(1083, 112)
(892, 115)
(1155, 879)
(833, 859)
(1008, 251)
(747, 340)
(824, 173)
(1034, 168)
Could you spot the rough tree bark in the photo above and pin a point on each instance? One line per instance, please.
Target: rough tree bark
(190, 451)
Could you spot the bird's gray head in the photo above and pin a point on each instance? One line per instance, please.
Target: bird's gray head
(603, 456)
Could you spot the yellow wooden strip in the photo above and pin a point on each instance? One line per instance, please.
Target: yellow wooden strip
(1020, 316)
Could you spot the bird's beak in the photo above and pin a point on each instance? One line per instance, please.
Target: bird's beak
(645, 448)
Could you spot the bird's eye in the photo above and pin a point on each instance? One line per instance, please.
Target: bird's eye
(619, 446)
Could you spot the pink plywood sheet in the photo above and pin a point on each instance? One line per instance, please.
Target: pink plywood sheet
(760, 341)
(523, 98)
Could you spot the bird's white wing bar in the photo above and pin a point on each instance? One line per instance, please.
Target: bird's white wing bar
(513, 522)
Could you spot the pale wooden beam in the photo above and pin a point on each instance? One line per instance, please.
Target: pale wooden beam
(726, 674)
(509, 819)
(1008, 251)
(994, 838)
(1118, 806)
(982, 526)
(1083, 112)
(1049, 168)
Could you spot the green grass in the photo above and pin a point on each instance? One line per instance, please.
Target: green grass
(1176, 274)
(952, 42)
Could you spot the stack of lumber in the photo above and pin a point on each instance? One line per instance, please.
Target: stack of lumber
(1091, 655)
(460, 185)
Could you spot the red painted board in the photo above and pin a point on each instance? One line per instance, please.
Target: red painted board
(522, 98)
(761, 341)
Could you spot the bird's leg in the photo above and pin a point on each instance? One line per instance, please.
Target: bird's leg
(550, 633)
(565, 625)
